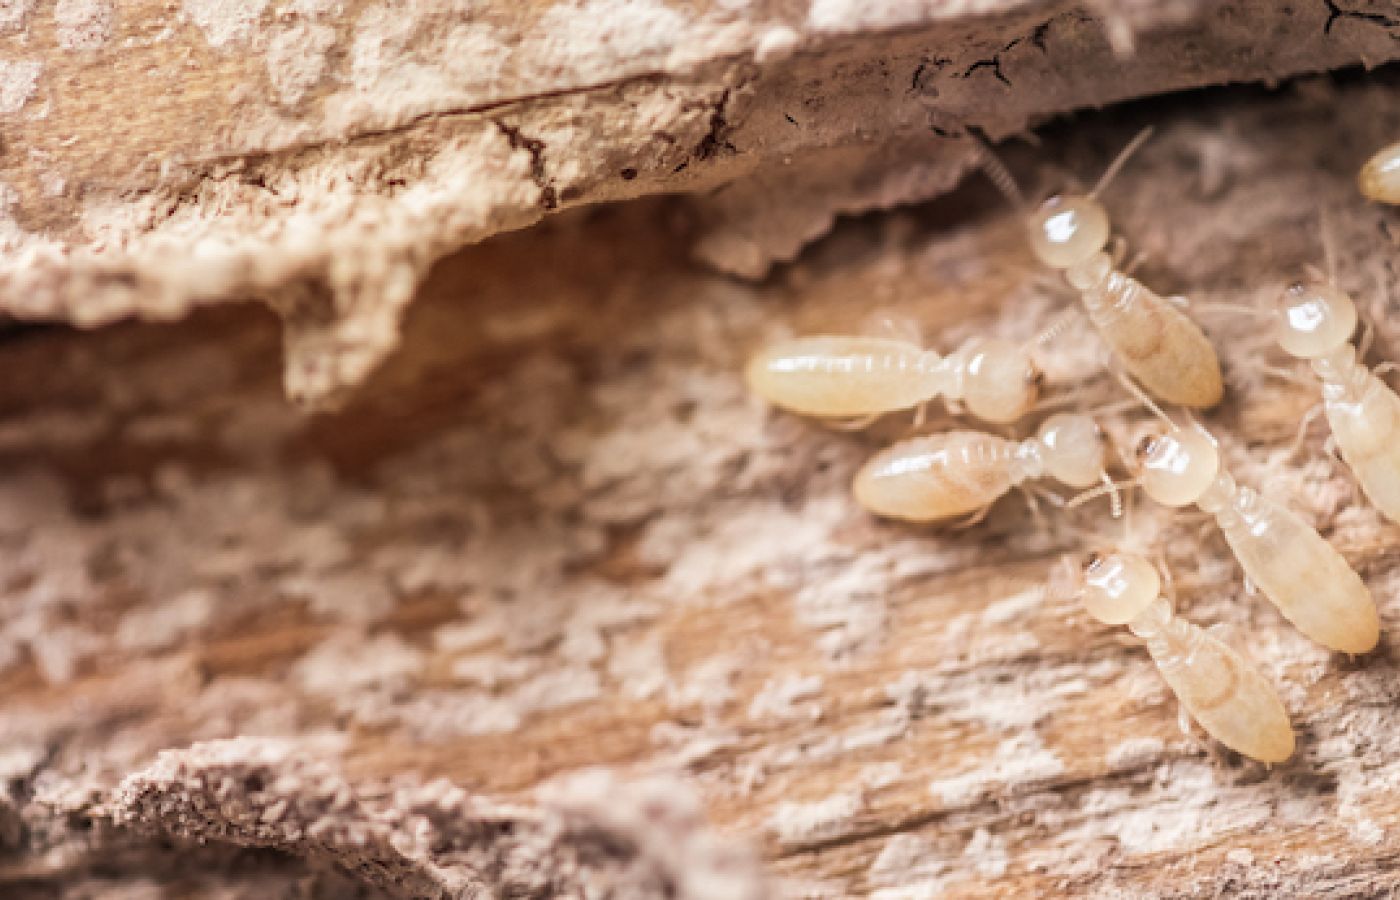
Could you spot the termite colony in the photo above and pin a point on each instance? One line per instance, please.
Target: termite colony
(1159, 354)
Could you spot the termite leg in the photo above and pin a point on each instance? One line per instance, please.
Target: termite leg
(1168, 580)
(1187, 724)
(973, 520)
(1300, 437)
(1249, 589)
(1329, 447)
(921, 414)
(1222, 631)
(1286, 375)
(888, 325)
(1188, 730)
(856, 424)
(1368, 335)
(1118, 250)
(1180, 301)
(1033, 506)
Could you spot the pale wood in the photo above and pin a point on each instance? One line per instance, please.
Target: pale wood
(553, 533)
(320, 155)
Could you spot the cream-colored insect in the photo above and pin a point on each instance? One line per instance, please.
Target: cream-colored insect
(1379, 179)
(1315, 321)
(925, 479)
(855, 377)
(1219, 689)
(1163, 348)
(1302, 574)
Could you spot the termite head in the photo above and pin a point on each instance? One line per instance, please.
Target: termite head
(1074, 453)
(1379, 178)
(1176, 465)
(1001, 384)
(1115, 586)
(1314, 318)
(1067, 230)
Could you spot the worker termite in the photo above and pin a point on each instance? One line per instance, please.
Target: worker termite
(1230, 699)
(925, 479)
(1315, 321)
(1162, 347)
(1379, 178)
(851, 377)
(1303, 575)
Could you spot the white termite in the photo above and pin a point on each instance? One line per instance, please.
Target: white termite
(940, 476)
(1291, 564)
(1218, 687)
(1379, 178)
(1157, 343)
(836, 377)
(1315, 321)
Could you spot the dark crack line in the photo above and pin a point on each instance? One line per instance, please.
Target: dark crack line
(715, 141)
(1335, 12)
(1039, 35)
(539, 174)
(994, 64)
(916, 81)
(478, 111)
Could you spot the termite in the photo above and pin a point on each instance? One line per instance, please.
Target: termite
(857, 377)
(1379, 178)
(940, 476)
(1315, 321)
(1160, 345)
(1304, 576)
(1217, 686)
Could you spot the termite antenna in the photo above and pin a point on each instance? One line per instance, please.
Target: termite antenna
(1128, 533)
(1058, 325)
(1329, 250)
(1239, 309)
(1109, 487)
(1063, 584)
(1115, 499)
(1143, 398)
(1119, 161)
(997, 172)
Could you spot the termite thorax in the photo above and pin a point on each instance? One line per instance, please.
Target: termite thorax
(1029, 457)
(1340, 371)
(1220, 496)
(1091, 273)
(1152, 622)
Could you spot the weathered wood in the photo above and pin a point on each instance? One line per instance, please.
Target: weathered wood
(320, 155)
(554, 533)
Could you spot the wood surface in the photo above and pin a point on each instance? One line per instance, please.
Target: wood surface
(551, 607)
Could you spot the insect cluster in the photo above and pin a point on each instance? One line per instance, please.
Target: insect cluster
(1159, 352)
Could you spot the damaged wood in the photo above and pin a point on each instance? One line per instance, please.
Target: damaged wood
(368, 132)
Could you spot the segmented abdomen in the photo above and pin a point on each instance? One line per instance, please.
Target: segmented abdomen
(935, 477)
(844, 376)
(1163, 349)
(1368, 434)
(1305, 577)
(1220, 689)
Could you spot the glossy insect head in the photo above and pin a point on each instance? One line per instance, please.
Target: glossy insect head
(1314, 319)
(1117, 587)
(1176, 465)
(1068, 230)
(1001, 384)
(1074, 449)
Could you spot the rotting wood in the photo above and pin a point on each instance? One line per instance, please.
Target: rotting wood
(554, 533)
